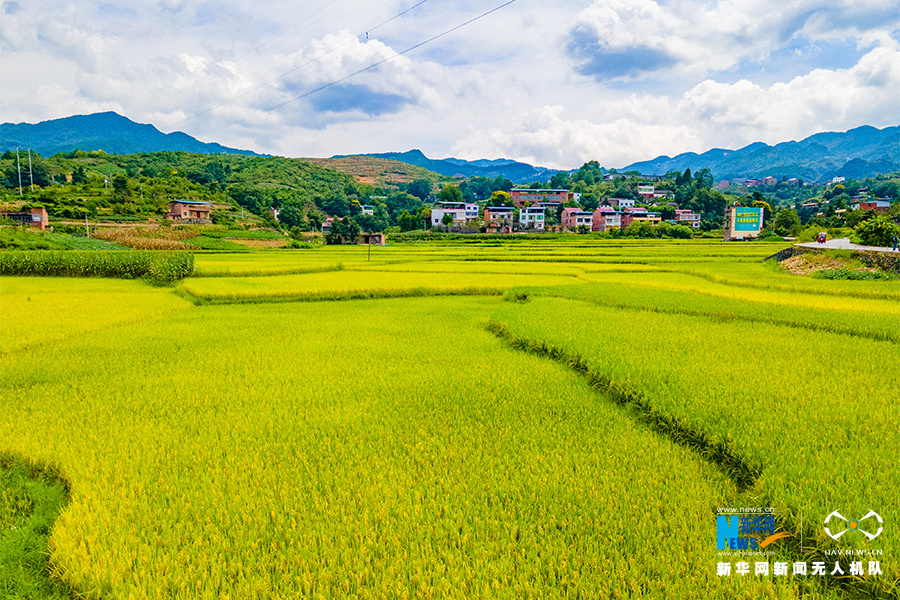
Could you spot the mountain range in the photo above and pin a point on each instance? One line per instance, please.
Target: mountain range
(518, 172)
(107, 131)
(859, 152)
(856, 153)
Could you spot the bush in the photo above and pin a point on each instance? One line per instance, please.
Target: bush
(877, 232)
(852, 274)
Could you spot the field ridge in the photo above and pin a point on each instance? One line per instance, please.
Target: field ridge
(721, 454)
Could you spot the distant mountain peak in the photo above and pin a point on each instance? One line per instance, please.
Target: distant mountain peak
(517, 172)
(859, 152)
(108, 131)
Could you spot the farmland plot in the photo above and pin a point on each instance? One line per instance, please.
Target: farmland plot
(395, 447)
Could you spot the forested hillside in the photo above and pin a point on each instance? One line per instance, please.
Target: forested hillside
(77, 184)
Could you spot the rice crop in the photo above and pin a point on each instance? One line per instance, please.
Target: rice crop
(250, 445)
(39, 311)
(341, 283)
(789, 400)
(354, 471)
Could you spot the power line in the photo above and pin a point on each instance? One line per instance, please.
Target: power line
(363, 70)
(297, 68)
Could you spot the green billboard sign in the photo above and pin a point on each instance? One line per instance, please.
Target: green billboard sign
(748, 219)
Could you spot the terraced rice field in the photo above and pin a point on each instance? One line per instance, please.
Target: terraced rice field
(457, 420)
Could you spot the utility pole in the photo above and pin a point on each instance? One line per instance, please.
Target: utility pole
(19, 169)
(30, 172)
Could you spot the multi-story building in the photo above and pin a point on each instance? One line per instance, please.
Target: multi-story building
(456, 209)
(573, 217)
(619, 202)
(532, 217)
(555, 196)
(687, 217)
(498, 214)
(647, 217)
(605, 218)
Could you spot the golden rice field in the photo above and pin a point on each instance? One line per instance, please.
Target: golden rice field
(428, 422)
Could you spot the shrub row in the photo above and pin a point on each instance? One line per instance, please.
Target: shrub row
(159, 268)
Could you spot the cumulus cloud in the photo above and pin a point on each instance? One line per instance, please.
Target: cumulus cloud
(628, 39)
(710, 114)
(529, 82)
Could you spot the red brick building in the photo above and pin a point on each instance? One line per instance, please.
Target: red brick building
(36, 217)
(190, 211)
(521, 196)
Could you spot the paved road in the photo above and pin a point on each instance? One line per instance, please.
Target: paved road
(843, 244)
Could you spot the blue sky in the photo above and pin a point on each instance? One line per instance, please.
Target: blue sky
(554, 84)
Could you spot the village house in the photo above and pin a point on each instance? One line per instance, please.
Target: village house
(456, 209)
(881, 205)
(645, 189)
(498, 214)
(532, 217)
(687, 217)
(189, 211)
(553, 196)
(573, 217)
(667, 194)
(605, 218)
(367, 209)
(35, 217)
(619, 202)
(639, 214)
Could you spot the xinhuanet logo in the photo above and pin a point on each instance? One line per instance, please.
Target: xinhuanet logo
(746, 529)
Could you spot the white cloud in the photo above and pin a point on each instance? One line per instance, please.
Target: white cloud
(711, 114)
(627, 39)
(503, 86)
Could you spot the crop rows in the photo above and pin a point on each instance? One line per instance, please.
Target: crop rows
(217, 478)
(399, 449)
(160, 268)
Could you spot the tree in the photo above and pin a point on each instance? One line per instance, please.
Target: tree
(703, 178)
(343, 231)
(501, 198)
(407, 221)
(787, 222)
(451, 193)
(767, 208)
(447, 220)
(79, 174)
(877, 232)
(560, 180)
(420, 188)
(120, 188)
(292, 214)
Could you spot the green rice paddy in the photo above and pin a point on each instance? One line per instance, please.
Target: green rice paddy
(547, 419)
